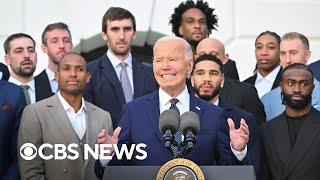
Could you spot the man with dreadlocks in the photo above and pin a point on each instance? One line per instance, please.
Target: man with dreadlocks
(194, 21)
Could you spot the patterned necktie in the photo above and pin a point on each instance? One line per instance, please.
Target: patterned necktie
(177, 135)
(125, 83)
(26, 93)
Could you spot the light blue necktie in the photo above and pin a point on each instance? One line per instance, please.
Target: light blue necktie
(125, 83)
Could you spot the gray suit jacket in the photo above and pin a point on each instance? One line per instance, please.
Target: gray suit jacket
(47, 122)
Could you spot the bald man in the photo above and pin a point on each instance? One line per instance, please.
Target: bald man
(239, 94)
(216, 47)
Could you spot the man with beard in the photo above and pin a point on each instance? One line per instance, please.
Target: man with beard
(194, 22)
(21, 56)
(207, 79)
(56, 42)
(117, 77)
(239, 94)
(294, 48)
(291, 141)
(67, 119)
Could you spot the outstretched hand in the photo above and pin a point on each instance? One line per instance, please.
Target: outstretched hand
(105, 138)
(238, 137)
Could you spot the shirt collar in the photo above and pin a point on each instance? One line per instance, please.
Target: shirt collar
(31, 83)
(270, 77)
(66, 106)
(115, 61)
(183, 97)
(50, 74)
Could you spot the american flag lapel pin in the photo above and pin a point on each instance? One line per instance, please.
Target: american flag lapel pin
(197, 107)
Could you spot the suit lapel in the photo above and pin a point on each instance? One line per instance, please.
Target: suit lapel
(195, 106)
(308, 132)
(227, 87)
(281, 138)
(42, 86)
(110, 74)
(92, 127)
(277, 80)
(153, 112)
(61, 119)
(138, 78)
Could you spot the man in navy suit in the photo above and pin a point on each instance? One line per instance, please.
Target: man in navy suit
(139, 123)
(12, 102)
(207, 80)
(117, 77)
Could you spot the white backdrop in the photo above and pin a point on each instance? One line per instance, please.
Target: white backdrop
(239, 22)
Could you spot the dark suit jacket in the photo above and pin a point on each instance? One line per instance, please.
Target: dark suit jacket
(230, 70)
(5, 72)
(12, 102)
(252, 80)
(253, 148)
(105, 90)
(42, 86)
(140, 124)
(315, 67)
(281, 162)
(244, 96)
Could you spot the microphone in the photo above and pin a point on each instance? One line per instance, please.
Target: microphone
(168, 125)
(189, 127)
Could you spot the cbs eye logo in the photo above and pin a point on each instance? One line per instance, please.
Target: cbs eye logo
(28, 151)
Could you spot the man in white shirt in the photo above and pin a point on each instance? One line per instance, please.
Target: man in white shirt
(117, 77)
(294, 48)
(140, 118)
(21, 56)
(65, 118)
(56, 42)
(267, 51)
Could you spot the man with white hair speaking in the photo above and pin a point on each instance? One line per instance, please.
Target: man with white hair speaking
(172, 62)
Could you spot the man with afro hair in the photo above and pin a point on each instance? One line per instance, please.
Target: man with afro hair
(193, 21)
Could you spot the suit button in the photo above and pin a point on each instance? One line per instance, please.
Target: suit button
(65, 170)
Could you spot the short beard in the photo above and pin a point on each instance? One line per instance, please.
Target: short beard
(193, 43)
(306, 100)
(53, 59)
(207, 97)
(24, 73)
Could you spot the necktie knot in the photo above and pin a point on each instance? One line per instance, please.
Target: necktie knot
(174, 101)
(25, 87)
(123, 64)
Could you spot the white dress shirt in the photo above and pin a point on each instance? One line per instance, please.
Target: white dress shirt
(264, 84)
(77, 119)
(184, 106)
(52, 81)
(31, 90)
(117, 67)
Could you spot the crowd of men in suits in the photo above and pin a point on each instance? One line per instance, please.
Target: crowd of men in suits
(269, 121)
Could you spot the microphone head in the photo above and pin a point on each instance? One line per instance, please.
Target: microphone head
(169, 119)
(189, 120)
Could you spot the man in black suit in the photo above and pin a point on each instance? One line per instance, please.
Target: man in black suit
(291, 141)
(207, 79)
(117, 77)
(315, 67)
(267, 51)
(194, 22)
(4, 72)
(56, 42)
(239, 94)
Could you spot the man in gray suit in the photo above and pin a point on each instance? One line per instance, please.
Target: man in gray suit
(65, 118)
